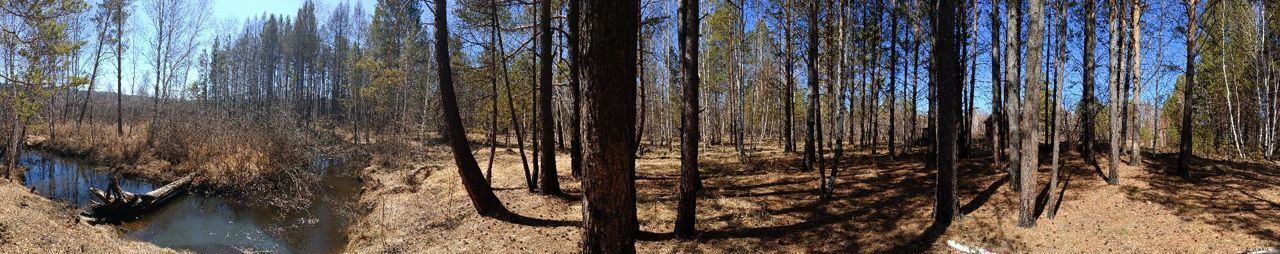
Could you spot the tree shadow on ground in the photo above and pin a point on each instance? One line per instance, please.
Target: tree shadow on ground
(1232, 195)
(512, 217)
(876, 207)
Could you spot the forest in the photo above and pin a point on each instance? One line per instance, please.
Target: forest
(639, 126)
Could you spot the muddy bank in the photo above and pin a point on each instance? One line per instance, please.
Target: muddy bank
(30, 223)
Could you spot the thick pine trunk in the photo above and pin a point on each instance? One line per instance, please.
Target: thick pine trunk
(609, 197)
(949, 73)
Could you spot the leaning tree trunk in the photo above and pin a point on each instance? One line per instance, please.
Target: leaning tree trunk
(481, 193)
(609, 196)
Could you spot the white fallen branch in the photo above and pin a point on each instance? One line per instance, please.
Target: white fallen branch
(1264, 250)
(967, 249)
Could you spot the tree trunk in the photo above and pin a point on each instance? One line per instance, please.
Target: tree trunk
(1136, 66)
(1012, 87)
(839, 104)
(493, 80)
(117, 205)
(997, 111)
(810, 154)
(893, 76)
(1114, 110)
(1184, 148)
(575, 117)
(481, 193)
(686, 210)
(550, 183)
(119, 19)
(1061, 56)
(1231, 112)
(609, 197)
(789, 103)
(947, 69)
(1087, 125)
(1030, 113)
(915, 76)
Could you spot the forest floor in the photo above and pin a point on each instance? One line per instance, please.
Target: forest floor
(30, 223)
(418, 205)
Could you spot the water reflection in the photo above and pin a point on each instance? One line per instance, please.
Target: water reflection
(211, 224)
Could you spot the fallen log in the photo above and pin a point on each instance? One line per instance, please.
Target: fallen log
(117, 205)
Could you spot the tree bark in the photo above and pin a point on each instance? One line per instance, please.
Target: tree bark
(811, 122)
(575, 117)
(609, 200)
(948, 70)
(686, 210)
(481, 193)
(1030, 129)
(1114, 110)
(1088, 100)
(1012, 87)
(549, 183)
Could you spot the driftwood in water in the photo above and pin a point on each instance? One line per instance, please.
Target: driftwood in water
(116, 205)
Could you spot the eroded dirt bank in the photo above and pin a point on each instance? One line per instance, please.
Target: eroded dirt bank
(30, 223)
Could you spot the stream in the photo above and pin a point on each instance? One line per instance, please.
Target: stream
(214, 224)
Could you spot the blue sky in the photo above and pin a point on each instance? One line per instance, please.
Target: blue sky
(241, 9)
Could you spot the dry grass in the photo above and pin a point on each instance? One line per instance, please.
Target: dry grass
(225, 152)
(32, 224)
(770, 205)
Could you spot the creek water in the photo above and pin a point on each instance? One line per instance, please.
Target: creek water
(214, 224)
